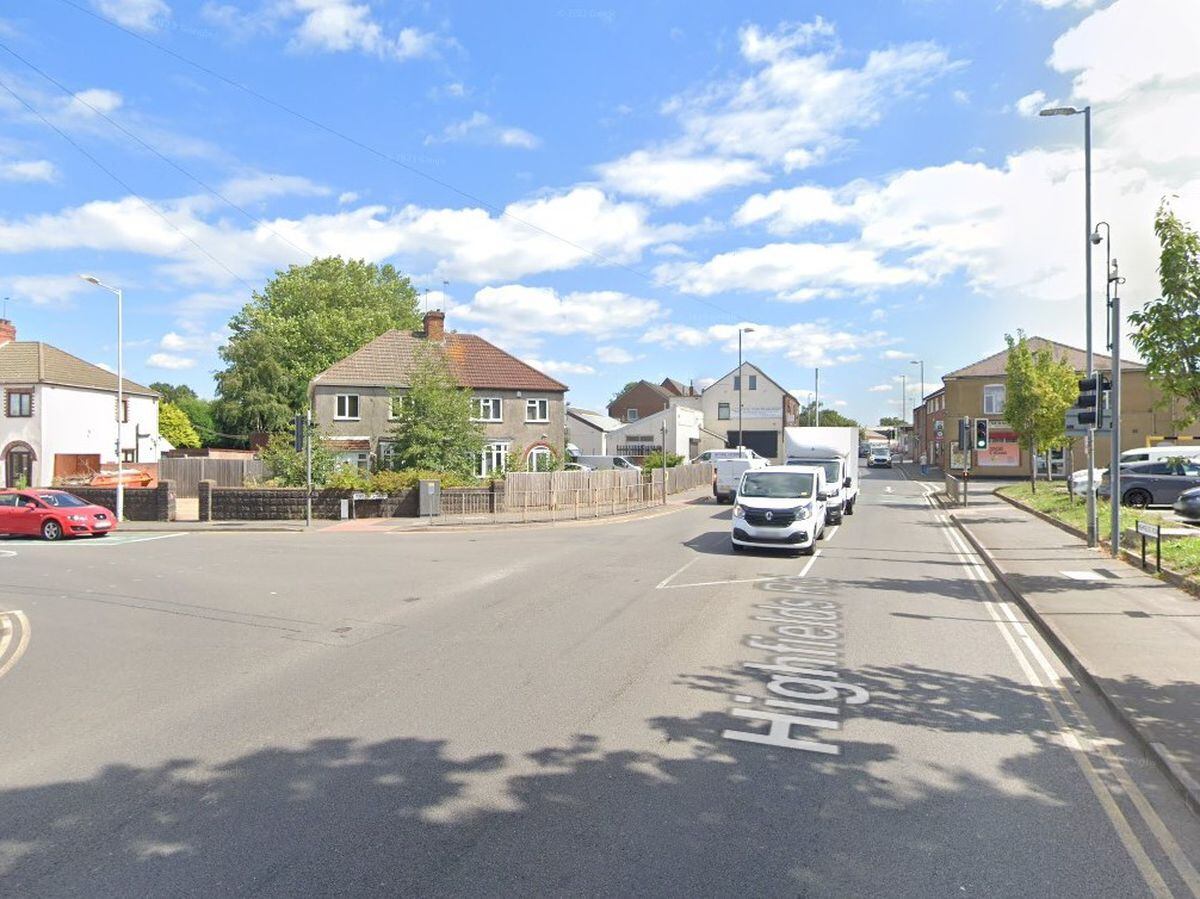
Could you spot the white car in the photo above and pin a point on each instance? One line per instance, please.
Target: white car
(780, 507)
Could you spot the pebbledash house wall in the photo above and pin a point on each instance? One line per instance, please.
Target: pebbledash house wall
(375, 421)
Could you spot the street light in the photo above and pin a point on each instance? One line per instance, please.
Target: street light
(120, 510)
(1090, 439)
(924, 413)
(741, 377)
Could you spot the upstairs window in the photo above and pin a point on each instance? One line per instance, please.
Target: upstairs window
(723, 411)
(631, 415)
(20, 404)
(347, 407)
(993, 399)
(486, 408)
(752, 382)
(737, 382)
(396, 405)
(537, 410)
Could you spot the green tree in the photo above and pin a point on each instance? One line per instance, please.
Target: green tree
(1040, 389)
(628, 384)
(304, 320)
(174, 425)
(829, 418)
(200, 414)
(288, 467)
(433, 429)
(655, 460)
(1167, 334)
(173, 393)
(891, 421)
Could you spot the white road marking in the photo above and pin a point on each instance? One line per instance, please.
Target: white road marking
(22, 643)
(677, 572)
(114, 539)
(1078, 743)
(831, 531)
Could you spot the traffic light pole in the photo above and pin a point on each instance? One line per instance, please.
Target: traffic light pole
(1114, 469)
(308, 469)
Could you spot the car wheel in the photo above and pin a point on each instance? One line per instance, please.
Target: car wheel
(51, 530)
(850, 506)
(808, 551)
(1138, 499)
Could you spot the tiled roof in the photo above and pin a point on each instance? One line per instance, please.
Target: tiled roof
(676, 387)
(31, 361)
(995, 366)
(391, 358)
(348, 444)
(597, 420)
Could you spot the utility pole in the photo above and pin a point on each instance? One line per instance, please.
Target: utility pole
(1114, 470)
(308, 469)
(741, 376)
(817, 397)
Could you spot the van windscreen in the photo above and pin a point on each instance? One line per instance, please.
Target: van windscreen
(777, 485)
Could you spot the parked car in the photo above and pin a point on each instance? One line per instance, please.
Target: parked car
(879, 458)
(1188, 504)
(780, 507)
(1153, 483)
(597, 463)
(52, 515)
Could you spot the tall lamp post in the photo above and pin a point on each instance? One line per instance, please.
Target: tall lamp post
(741, 377)
(1113, 299)
(1090, 439)
(924, 414)
(120, 510)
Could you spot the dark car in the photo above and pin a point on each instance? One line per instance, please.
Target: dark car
(1153, 483)
(52, 515)
(1188, 504)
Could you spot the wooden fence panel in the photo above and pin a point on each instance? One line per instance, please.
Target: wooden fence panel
(188, 471)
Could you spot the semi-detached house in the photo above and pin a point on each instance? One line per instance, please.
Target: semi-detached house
(355, 400)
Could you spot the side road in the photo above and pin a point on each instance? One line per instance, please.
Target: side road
(1134, 637)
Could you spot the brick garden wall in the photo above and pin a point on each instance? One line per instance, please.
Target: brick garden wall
(287, 503)
(141, 503)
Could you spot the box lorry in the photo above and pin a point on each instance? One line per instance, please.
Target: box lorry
(836, 450)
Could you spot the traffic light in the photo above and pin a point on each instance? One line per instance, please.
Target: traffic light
(964, 433)
(1089, 404)
(981, 433)
(298, 424)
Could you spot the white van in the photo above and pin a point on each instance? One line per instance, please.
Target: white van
(599, 463)
(1154, 453)
(780, 507)
(727, 474)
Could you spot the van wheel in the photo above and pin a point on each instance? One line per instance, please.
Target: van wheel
(807, 551)
(850, 506)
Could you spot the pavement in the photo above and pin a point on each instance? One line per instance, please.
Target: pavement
(1134, 636)
(625, 708)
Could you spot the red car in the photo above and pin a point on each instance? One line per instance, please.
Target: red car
(52, 515)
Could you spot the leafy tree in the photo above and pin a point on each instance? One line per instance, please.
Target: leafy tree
(174, 425)
(433, 429)
(200, 414)
(304, 320)
(829, 418)
(628, 384)
(891, 421)
(1167, 334)
(173, 393)
(288, 467)
(1040, 390)
(655, 460)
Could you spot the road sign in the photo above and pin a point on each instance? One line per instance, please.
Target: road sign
(1077, 429)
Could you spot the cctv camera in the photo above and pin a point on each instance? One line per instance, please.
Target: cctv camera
(1096, 238)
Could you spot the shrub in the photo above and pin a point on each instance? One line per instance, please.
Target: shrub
(655, 460)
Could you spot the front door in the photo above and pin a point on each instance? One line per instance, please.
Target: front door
(18, 468)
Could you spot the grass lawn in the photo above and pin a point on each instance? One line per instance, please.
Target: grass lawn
(1182, 555)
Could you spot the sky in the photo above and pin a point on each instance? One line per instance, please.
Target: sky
(607, 191)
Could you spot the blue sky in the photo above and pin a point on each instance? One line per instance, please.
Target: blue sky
(621, 185)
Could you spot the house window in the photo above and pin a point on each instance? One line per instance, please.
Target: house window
(993, 399)
(493, 459)
(347, 406)
(737, 382)
(631, 415)
(486, 408)
(752, 380)
(20, 404)
(723, 411)
(396, 405)
(537, 410)
(361, 461)
(540, 458)
(124, 410)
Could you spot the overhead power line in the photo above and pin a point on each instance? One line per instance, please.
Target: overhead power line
(374, 151)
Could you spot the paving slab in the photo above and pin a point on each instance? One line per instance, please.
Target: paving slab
(1135, 637)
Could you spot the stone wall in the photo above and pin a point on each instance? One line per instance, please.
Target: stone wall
(287, 504)
(141, 503)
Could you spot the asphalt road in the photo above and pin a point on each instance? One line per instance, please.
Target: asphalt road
(569, 710)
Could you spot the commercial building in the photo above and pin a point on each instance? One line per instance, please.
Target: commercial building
(766, 408)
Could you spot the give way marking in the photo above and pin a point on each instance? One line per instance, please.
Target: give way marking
(14, 639)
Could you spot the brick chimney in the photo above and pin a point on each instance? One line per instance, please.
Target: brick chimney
(8, 331)
(435, 325)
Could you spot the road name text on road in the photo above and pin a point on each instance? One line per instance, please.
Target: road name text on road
(802, 674)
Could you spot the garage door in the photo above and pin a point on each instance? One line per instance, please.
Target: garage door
(765, 443)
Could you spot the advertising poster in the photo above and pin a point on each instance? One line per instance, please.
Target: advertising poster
(1003, 449)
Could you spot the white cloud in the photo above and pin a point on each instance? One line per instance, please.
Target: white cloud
(809, 344)
(192, 341)
(169, 361)
(480, 128)
(881, 388)
(1058, 4)
(780, 268)
(140, 15)
(796, 109)
(896, 355)
(515, 310)
(345, 198)
(43, 290)
(792, 209)
(265, 185)
(552, 367)
(669, 175)
(615, 355)
(1030, 104)
(339, 26)
(28, 170)
(961, 97)
(840, 403)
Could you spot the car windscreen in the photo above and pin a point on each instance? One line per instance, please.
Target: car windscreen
(62, 500)
(777, 485)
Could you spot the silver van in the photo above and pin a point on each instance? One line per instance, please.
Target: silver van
(599, 463)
